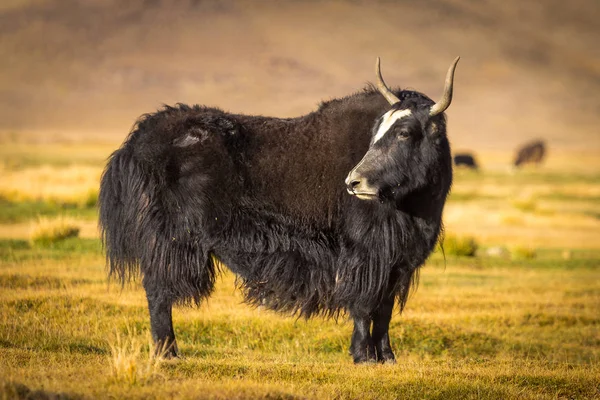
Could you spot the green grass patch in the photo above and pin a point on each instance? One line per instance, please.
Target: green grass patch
(14, 250)
(545, 259)
(13, 212)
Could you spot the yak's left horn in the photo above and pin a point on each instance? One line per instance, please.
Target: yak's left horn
(444, 103)
(383, 89)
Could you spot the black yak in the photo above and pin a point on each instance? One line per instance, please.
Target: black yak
(331, 212)
(465, 160)
(530, 153)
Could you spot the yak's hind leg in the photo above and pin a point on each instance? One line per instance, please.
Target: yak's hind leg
(362, 348)
(380, 334)
(160, 304)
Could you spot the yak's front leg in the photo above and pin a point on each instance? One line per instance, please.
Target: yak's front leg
(380, 335)
(161, 321)
(361, 347)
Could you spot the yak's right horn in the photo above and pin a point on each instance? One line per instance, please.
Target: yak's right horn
(383, 89)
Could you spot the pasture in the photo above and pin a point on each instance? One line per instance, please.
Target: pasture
(517, 320)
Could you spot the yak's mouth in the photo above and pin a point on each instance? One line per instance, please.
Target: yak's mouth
(364, 195)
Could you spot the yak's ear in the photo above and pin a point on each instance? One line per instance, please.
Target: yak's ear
(185, 141)
(193, 136)
(434, 128)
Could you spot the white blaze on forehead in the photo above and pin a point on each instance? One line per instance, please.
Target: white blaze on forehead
(389, 119)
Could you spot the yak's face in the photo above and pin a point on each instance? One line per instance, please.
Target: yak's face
(409, 150)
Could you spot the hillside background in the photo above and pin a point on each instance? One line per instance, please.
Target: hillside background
(84, 70)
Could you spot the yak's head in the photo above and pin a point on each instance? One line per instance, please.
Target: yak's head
(409, 150)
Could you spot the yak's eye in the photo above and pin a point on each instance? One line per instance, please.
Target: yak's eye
(403, 134)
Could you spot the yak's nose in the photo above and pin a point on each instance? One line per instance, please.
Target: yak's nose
(352, 184)
(353, 181)
(357, 185)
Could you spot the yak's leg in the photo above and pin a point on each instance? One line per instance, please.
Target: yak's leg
(161, 321)
(361, 347)
(380, 335)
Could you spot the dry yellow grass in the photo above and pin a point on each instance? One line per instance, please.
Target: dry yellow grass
(497, 225)
(480, 327)
(76, 185)
(468, 332)
(554, 205)
(132, 359)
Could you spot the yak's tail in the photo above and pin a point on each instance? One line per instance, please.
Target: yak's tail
(122, 190)
(143, 235)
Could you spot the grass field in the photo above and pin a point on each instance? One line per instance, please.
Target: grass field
(521, 323)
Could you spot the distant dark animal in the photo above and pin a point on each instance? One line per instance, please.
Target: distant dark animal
(331, 212)
(530, 153)
(465, 160)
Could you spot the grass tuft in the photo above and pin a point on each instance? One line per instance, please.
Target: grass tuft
(525, 204)
(132, 360)
(48, 231)
(90, 200)
(462, 246)
(523, 253)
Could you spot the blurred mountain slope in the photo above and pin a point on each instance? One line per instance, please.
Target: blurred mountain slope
(91, 67)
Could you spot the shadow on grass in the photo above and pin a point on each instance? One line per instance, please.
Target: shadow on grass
(411, 337)
(23, 281)
(15, 390)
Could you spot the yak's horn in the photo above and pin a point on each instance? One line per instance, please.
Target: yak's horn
(444, 103)
(383, 89)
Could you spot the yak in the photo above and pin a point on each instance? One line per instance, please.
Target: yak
(331, 213)
(466, 160)
(530, 153)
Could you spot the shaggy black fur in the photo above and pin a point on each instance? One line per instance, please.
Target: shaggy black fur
(193, 187)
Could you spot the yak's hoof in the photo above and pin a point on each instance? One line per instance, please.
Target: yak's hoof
(386, 357)
(169, 355)
(166, 352)
(171, 359)
(364, 357)
(364, 360)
